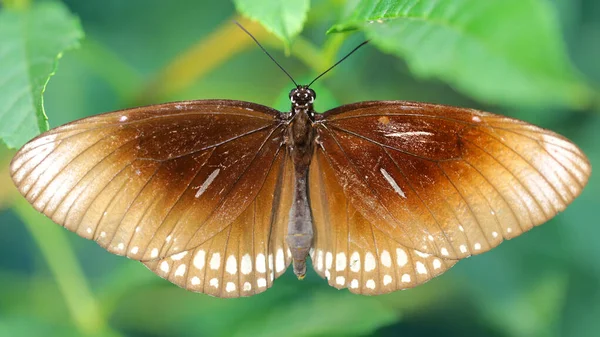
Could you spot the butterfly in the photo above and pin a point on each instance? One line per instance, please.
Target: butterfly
(222, 196)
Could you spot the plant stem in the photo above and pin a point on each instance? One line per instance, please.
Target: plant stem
(62, 262)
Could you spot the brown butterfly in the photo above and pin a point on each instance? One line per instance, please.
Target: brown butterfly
(221, 196)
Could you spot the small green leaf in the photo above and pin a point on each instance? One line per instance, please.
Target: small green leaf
(33, 39)
(497, 51)
(284, 18)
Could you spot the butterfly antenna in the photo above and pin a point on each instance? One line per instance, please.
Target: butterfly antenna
(266, 52)
(338, 62)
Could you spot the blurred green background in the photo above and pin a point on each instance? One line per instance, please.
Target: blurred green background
(545, 283)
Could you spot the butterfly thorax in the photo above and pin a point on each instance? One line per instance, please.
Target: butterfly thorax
(300, 140)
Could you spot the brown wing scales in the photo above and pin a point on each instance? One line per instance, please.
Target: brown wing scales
(352, 252)
(153, 182)
(247, 255)
(447, 181)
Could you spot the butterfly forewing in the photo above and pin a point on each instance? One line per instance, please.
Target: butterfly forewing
(156, 181)
(447, 181)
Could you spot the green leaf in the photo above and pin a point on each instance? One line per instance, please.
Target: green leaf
(284, 18)
(497, 51)
(33, 39)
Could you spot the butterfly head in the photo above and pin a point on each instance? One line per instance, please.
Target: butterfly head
(302, 97)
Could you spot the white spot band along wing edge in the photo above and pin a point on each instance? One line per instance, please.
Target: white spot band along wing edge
(160, 184)
(469, 180)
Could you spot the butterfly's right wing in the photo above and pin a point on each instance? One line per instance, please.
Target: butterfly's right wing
(169, 180)
(406, 189)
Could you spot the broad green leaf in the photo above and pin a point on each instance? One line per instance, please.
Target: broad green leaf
(284, 18)
(33, 39)
(497, 51)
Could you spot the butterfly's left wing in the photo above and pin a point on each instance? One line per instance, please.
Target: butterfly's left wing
(400, 191)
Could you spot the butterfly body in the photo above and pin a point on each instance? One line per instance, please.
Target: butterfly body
(221, 196)
(300, 144)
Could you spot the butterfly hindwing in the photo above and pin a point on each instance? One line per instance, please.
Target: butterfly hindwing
(350, 252)
(249, 254)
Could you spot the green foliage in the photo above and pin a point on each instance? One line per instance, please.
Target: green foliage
(284, 18)
(497, 51)
(33, 39)
(503, 56)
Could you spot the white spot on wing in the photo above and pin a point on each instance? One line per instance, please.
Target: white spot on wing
(261, 282)
(421, 268)
(319, 260)
(231, 265)
(387, 279)
(340, 261)
(215, 261)
(179, 256)
(260, 263)
(444, 251)
(195, 281)
(402, 259)
(230, 287)
(180, 271)
(123, 119)
(369, 262)
(200, 259)
(423, 255)
(477, 246)
(406, 278)
(279, 262)
(164, 266)
(154, 253)
(386, 260)
(207, 182)
(214, 282)
(354, 284)
(370, 284)
(246, 267)
(328, 260)
(340, 280)
(437, 264)
(463, 248)
(392, 182)
(134, 250)
(408, 134)
(247, 286)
